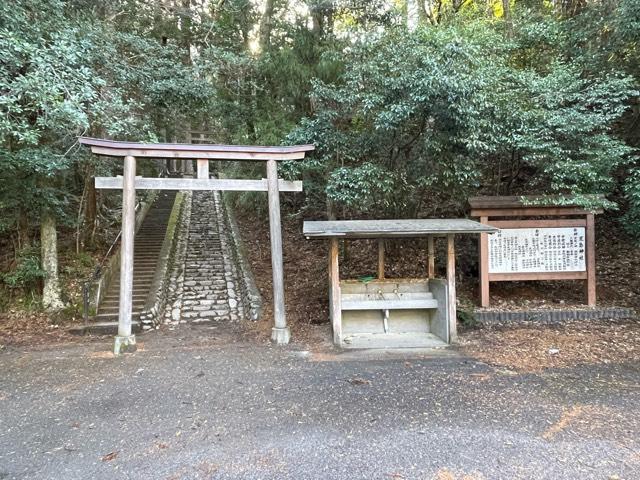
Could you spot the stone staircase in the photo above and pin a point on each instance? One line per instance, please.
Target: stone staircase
(147, 246)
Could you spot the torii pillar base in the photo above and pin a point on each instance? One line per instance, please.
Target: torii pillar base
(124, 344)
(280, 336)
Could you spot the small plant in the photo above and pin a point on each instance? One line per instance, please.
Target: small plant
(27, 273)
(466, 319)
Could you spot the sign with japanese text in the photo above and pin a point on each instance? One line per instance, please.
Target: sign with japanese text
(529, 250)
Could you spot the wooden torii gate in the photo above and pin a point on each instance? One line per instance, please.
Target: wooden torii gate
(129, 183)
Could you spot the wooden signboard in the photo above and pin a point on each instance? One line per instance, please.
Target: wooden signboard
(558, 244)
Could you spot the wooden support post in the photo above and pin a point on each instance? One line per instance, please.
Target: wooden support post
(590, 252)
(431, 257)
(451, 288)
(335, 306)
(380, 259)
(203, 168)
(125, 341)
(280, 332)
(188, 167)
(484, 266)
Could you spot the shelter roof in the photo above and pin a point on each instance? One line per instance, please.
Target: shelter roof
(392, 228)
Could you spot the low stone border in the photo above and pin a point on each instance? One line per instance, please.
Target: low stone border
(175, 289)
(251, 300)
(155, 304)
(553, 316)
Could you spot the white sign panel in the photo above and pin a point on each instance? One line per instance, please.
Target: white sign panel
(529, 250)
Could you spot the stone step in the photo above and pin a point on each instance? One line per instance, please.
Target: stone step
(136, 290)
(138, 284)
(103, 328)
(147, 247)
(107, 317)
(113, 312)
(146, 275)
(111, 303)
(115, 299)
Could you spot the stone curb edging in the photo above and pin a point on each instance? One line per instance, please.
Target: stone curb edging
(154, 306)
(173, 304)
(252, 303)
(553, 316)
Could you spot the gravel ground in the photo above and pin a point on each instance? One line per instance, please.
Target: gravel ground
(209, 403)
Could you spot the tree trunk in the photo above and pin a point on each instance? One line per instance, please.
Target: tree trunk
(506, 11)
(24, 241)
(51, 297)
(423, 17)
(185, 27)
(265, 26)
(91, 208)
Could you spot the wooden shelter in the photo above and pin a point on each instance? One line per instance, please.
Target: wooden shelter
(539, 240)
(393, 312)
(202, 154)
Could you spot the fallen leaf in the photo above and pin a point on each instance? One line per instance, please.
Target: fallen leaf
(359, 381)
(109, 456)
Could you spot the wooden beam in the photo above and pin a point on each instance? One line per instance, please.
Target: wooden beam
(202, 168)
(591, 260)
(126, 248)
(392, 304)
(484, 267)
(529, 212)
(380, 259)
(431, 257)
(188, 168)
(197, 154)
(335, 307)
(556, 223)
(280, 332)
(451, 289)
(119, 148)
(222, 184)
(392, 228)
(513, 277)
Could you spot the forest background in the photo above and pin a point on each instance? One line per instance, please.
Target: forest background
(413, 105)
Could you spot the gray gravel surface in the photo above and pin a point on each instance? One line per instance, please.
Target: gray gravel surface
(198, 403)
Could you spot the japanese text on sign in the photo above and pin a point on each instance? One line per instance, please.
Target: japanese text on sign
(521, 250)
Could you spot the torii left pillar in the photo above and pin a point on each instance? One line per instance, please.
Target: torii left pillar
(125, 340)
(280, 332)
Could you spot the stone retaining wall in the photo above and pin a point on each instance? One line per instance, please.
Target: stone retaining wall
(173, 305)
(248, 291)
(552, 316)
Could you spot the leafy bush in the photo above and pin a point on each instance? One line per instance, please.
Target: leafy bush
(27, 273)
(446, 112)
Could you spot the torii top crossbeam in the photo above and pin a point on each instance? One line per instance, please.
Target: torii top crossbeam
(114, 148)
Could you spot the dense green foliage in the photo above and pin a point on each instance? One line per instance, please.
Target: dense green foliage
(411, 110)
(457, 110)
